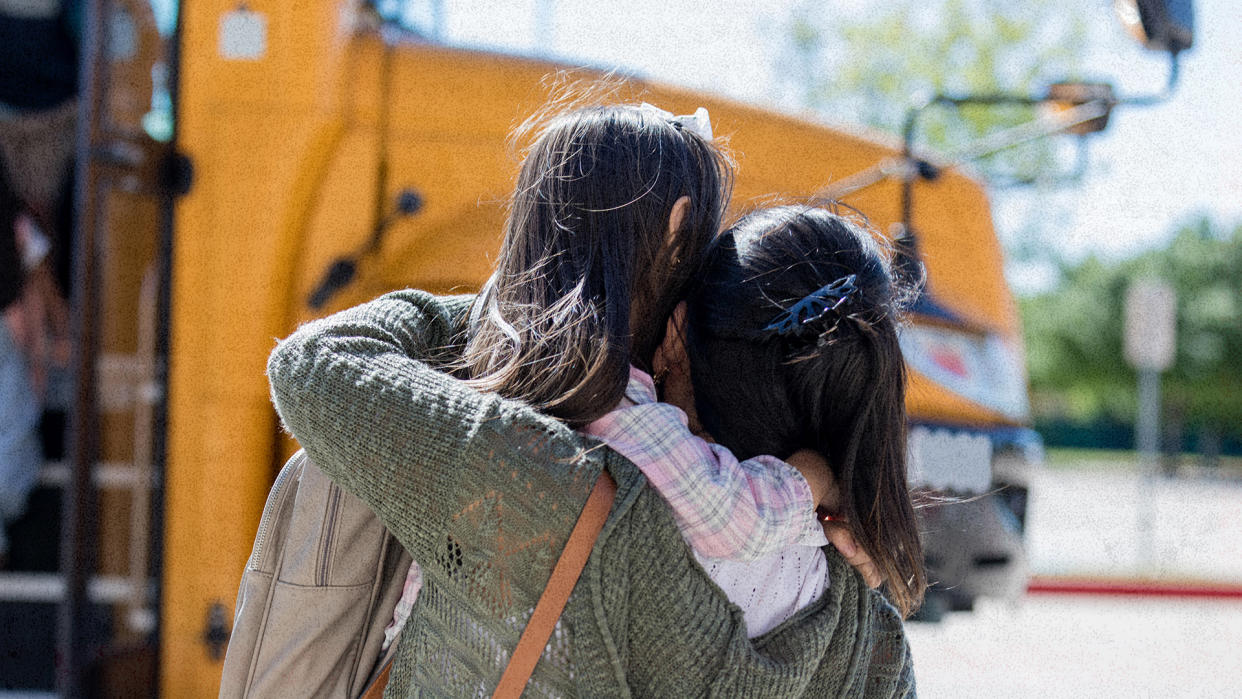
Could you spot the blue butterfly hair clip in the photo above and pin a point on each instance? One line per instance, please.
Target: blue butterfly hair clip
(814, 306)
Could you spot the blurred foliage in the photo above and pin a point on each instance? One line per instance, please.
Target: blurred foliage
(1074, 334)
(872, 69)
(872, 65)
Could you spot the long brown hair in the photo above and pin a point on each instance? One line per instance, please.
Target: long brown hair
(588, 272)
(771, 377)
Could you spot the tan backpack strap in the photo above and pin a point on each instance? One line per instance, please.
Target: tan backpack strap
(564, 576)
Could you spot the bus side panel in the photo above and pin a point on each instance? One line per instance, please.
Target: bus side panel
(252, 127)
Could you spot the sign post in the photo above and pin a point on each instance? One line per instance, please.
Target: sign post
(1150, 346)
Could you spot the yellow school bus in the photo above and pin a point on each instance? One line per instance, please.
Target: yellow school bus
(230, 162)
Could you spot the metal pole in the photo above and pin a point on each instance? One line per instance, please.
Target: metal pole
(1147, 439)
(907, 177)
(1147, 429)
(906, 166)
(163, 334)
(77, 560)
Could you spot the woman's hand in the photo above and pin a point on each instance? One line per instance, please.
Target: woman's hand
(839, 536)
(814, 468)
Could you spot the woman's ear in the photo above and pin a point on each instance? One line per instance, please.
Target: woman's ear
(678, 214)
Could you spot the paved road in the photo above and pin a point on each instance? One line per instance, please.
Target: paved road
(1114, 525)
(1056, 646)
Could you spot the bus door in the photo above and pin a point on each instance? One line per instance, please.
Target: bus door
(89, 612)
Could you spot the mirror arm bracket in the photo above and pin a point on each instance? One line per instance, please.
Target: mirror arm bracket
(1159, 97)
(916, 167)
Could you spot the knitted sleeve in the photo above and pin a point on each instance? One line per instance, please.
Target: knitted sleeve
(890, 672)
(482, 491)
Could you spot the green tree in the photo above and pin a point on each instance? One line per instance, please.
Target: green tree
(872, 69)
(1074, 333)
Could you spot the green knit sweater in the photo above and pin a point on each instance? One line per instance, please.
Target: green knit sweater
(483, 492)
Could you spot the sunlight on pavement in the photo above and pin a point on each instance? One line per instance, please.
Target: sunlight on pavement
(1099, 647)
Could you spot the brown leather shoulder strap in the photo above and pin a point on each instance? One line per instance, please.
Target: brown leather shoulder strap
(375, 690)
(564, 576)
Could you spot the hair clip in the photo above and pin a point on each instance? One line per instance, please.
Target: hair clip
(699, 122)
(815, 305)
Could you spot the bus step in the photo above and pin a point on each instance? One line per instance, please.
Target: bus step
(50, 587)
(110, 475)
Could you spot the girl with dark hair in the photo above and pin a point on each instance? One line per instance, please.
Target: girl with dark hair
(613, 213)
(791, 342)
(788, 343)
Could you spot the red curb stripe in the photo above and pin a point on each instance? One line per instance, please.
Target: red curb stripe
(1133, 588)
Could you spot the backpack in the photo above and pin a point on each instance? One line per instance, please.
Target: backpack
(320, 587)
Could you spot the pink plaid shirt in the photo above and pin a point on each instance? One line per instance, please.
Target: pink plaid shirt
(740, 511)
(725, 508)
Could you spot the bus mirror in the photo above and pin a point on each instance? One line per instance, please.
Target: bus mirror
(1065, 96)
(1161, 25)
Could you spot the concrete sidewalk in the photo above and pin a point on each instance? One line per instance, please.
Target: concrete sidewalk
(1109, 524)
(1047, 647)
(1105, 525)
